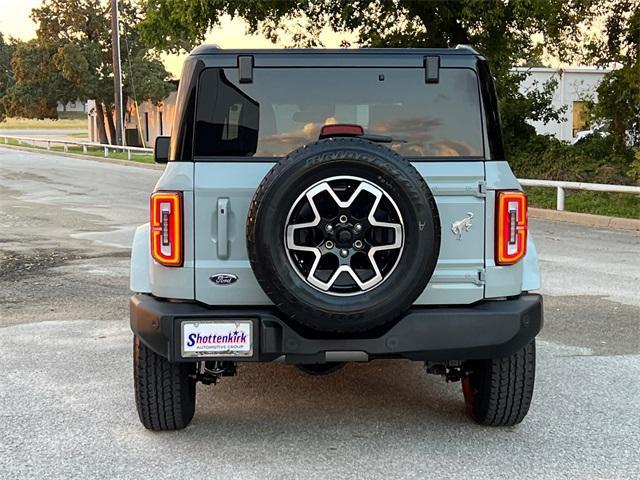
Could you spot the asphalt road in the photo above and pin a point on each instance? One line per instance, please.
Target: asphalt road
(66, 403)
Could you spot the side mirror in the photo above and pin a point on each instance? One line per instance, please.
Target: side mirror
(161, 149)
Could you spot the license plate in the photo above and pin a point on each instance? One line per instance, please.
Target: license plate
(220, 338)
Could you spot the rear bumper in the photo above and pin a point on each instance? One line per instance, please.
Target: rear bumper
(489, 329)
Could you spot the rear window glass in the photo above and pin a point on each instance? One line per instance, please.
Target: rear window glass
(284, 108)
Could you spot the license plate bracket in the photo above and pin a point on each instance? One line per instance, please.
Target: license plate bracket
(216, 338)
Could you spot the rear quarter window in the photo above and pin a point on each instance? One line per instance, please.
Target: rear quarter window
(284, 108)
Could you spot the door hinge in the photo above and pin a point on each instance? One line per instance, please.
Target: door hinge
(245, 68)
(482, 188)
(481, 277)
(431, 69)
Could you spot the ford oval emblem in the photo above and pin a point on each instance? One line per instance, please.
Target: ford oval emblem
(223, 278)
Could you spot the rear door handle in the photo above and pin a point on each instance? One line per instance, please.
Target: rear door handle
(223, 228)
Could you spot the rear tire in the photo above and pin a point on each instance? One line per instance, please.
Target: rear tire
(498, 392)
(165, 392)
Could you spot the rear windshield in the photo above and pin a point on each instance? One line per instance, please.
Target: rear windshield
(284, 108)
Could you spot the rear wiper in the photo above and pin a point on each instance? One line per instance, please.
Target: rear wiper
(372, 137)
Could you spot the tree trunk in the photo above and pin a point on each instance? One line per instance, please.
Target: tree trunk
(110, 122)
(619, 131)
(102, 133)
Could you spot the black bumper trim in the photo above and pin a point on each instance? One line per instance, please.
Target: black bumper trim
(490, 329)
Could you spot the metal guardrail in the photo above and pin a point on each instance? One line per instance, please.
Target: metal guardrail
(558, 185)
(36, 141)
(562, 186)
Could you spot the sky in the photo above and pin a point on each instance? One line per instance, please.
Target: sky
(16, 22)
(233, 34)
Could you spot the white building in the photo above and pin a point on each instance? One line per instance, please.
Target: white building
(154, 120)
(77, 106)
(575, 85)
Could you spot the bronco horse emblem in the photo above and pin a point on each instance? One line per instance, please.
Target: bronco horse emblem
(461, 226)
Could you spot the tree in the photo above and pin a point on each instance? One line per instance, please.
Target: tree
(73, 54)
(36, 85)
(505, 31)
(618, 105)
(6, 72)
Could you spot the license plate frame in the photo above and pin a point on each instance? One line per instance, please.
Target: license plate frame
(211, 331)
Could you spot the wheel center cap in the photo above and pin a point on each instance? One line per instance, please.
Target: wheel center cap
(344, 236)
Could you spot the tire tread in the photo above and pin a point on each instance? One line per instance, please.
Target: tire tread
(503, 388)
(164, 391)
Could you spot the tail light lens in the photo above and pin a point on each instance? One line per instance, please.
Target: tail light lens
(341, 130)
(511, 227)
(166, 228)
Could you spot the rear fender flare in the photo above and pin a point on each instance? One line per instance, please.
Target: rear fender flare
(140, 257)
(530, 267)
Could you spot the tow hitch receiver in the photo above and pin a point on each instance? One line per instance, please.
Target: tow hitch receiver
(452, 371)
(210, 372)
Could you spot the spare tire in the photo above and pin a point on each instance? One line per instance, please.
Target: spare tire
(343, 235)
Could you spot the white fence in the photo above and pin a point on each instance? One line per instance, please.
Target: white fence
(46, 142)
(560, 187)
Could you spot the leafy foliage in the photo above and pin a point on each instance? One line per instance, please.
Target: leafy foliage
(82, 28)
(634, 170)
(37, 85)
(618, 104)
(71, 59)
(533, 105)
(6, 73)
(593, 159)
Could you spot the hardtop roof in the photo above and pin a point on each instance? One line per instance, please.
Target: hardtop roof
(216, 50)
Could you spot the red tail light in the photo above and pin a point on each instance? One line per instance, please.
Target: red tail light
(511, 227)
(341, 130)
(166, 228)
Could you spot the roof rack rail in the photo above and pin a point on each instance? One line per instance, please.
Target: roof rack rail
(204, 47)
(462, 46)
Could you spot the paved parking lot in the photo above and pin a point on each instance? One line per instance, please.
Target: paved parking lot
(66, 406)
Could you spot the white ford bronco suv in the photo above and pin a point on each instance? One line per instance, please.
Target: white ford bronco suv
(329, 206)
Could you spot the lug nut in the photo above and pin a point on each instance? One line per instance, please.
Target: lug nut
(343, 219)
(357, 227)
(357, 244)
(329, 227)
(329, 244)
(344, 252)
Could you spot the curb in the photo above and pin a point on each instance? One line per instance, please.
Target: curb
(115, 161)
(630, 224)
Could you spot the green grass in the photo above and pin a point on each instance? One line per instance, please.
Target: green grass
(9, 141)
(68, 121)
(99, 152)
(91, 151)
(72, 115)
(625, 205)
